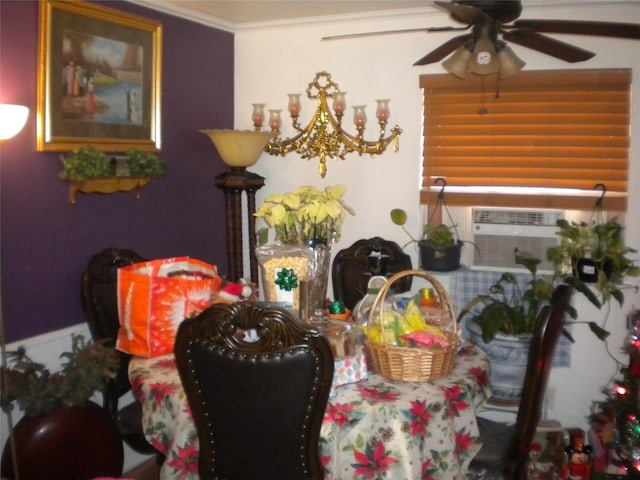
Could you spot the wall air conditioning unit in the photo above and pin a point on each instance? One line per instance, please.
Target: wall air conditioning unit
(500, 232)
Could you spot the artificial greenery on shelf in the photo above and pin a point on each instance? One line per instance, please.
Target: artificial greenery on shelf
(89, 162)
(37, 391)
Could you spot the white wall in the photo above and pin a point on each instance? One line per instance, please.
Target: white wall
(274, 61)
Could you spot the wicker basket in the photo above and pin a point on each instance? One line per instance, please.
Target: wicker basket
(408, 364)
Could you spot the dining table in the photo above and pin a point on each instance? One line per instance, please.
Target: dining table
(372, 429)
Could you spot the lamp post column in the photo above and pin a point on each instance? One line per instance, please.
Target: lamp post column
(233, 183)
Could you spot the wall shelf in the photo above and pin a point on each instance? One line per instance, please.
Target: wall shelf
(106, 185)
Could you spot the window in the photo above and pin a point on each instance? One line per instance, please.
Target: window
(562, 131)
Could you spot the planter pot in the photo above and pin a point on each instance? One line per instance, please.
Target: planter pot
(77, 443)
(508, 356)
(440, 259)
(587, 270)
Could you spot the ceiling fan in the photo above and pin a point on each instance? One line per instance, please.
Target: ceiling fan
(482, 52)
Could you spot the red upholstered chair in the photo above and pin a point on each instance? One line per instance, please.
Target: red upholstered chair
(258, 405)
(505, 448)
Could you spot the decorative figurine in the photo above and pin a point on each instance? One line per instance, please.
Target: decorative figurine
(578, 467)
(534, 454)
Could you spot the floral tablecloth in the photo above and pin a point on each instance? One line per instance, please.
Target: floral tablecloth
(374, 429)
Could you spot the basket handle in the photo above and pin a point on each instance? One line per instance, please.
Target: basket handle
(378, 303)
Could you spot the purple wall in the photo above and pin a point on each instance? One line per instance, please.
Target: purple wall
(46, 243)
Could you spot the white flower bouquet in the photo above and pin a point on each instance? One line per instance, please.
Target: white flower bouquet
(306, 216)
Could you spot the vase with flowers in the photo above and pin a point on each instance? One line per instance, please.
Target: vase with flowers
(306, 222)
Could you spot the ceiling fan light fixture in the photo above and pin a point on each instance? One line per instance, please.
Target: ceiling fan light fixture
(510, 63)
(458, 63)
(484, 59)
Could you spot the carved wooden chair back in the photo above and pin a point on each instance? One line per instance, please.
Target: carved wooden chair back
(257, 382)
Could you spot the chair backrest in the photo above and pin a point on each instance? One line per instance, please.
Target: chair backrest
(351, 271)
(543, 347)
(258, 402)
(100, 304)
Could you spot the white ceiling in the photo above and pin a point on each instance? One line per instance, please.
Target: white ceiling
(244, 14)
(238, 14)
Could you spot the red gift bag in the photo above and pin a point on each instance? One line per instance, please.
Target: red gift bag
(155, 296)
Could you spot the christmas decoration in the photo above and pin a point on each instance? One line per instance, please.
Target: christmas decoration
(619, 413)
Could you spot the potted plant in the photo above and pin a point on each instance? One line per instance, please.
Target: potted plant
(595, 253)
(306, 222)
(36, 391)
(306, 216)
(439, 245)
(58, 412)
(504, 319)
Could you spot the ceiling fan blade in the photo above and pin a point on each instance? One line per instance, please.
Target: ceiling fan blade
(464, 13)
(443, 50)
(550, 46)
(579, 27)
(394, 32)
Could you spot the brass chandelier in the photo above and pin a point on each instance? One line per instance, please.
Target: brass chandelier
(324, 137)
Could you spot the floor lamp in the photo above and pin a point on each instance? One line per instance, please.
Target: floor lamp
(12, 120)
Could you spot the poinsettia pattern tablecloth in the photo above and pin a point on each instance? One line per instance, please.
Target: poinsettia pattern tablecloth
(372, 430)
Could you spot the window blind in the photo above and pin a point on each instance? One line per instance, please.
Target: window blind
(557, 130)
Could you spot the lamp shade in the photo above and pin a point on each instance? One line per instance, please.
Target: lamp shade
(484, 60)
(510, 63)
(12, 119)
(458, 63)
(239, 148)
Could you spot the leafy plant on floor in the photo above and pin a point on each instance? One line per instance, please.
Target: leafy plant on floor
(36, 391)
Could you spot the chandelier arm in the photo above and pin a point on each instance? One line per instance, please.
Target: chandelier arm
(358, 144)
(282, 147)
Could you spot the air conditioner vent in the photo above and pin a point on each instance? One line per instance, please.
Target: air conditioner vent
(499, 232)
(516, 216)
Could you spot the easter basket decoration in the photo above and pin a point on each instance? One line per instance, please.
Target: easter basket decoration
(411, 364)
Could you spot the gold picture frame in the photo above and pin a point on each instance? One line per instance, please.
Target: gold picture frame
(99, 78)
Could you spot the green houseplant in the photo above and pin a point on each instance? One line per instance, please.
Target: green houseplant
(58, 414)
(595, 253)
(513, 309)
(37, 391)
(503, 320)
(439, 245)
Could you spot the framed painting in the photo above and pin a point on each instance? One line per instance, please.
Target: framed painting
(99, 78)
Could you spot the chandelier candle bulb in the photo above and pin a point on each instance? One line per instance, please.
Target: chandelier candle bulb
(383, 110)
(339, 103)
(274, 120)
(359, 116)
(294, 104)
(258, 115)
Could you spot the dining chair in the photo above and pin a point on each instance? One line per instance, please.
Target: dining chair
(351, 269)
(505, 448)
(257, 381)
(100, 305)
